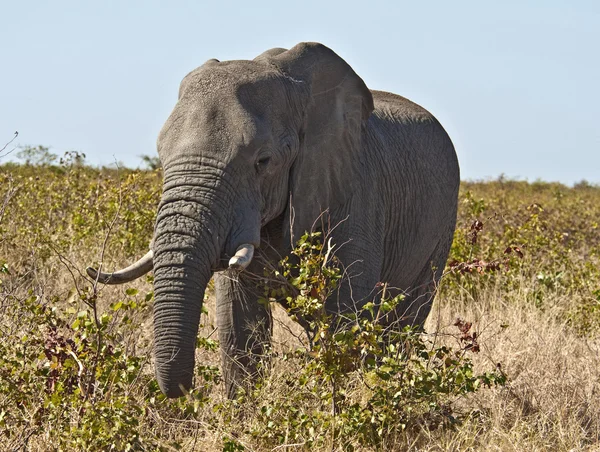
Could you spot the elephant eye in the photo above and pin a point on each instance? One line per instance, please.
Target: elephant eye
(262, 164)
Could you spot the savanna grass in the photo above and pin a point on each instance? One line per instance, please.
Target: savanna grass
(76, 365)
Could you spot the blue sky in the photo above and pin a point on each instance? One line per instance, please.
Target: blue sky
(515, 83)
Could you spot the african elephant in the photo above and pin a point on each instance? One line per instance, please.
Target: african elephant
(253, 152)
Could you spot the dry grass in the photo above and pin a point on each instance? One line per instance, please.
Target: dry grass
(538, 319)
(551, 402)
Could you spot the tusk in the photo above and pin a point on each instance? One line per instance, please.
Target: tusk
(134, 271)
(243, 256)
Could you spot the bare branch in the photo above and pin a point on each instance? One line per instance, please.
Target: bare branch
(6, 145)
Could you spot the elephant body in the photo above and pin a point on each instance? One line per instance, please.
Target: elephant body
(253, 154)
(396, 226)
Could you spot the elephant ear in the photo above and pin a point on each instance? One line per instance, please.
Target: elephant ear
(336, 108)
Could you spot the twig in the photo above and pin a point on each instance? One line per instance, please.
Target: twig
(80, 373)
(68, 265)
(285, 446)
(6, 145)
(110, 227)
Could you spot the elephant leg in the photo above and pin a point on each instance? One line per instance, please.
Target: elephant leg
(415, 307)
(244, 328)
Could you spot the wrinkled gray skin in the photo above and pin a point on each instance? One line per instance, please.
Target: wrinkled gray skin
(252, 153)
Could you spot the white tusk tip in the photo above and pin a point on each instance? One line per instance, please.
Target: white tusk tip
(235, 262)
(243, 257)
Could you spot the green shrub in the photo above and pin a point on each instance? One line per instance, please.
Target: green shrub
(368, 381)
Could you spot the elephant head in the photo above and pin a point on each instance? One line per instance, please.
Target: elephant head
(275, 139)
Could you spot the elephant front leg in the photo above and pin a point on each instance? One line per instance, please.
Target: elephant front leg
(244, 329)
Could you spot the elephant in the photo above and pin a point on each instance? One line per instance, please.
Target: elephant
(253, 153)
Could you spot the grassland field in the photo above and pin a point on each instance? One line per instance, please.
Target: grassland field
(76, 367)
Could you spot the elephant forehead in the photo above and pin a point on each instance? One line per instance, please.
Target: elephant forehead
(235, 121)
(260, 88)
(213, 124)
(225, 78)
(231, 109)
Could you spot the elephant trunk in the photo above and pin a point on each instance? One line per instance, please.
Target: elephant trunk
(187, 247)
